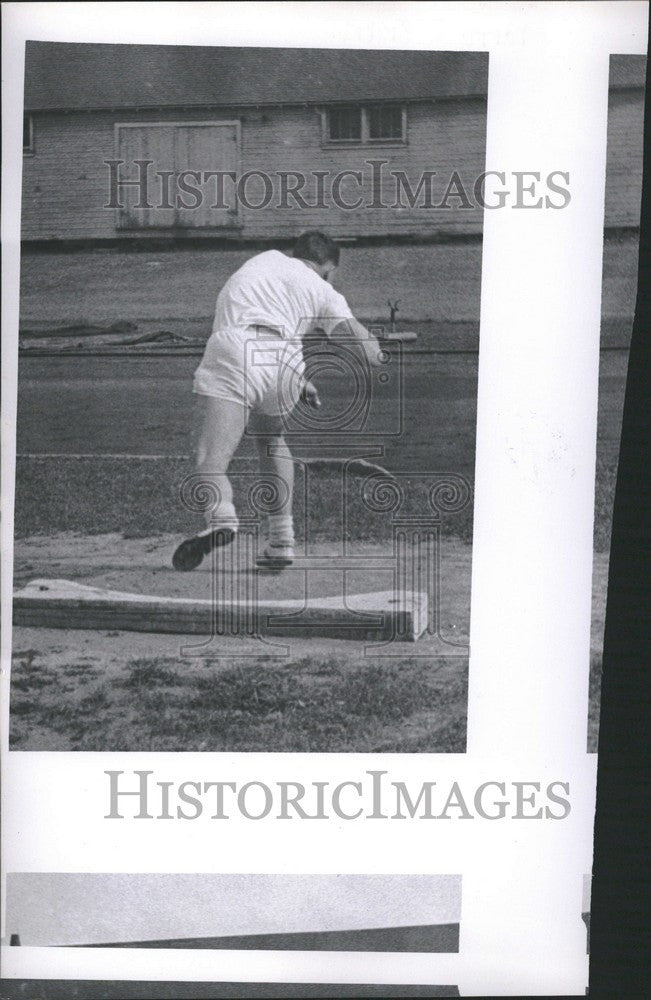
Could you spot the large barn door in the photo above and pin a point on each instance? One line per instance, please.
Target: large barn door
(180, 155)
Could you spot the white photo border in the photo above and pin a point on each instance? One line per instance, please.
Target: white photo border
(521, 931)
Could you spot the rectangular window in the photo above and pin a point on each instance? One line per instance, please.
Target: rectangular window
(345, 125)
(28, 134)
(359, 126)
(385, 122)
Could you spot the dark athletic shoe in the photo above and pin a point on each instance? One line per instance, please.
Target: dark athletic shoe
(190, 553)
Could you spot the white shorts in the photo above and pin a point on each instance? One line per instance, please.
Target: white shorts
(255, 368)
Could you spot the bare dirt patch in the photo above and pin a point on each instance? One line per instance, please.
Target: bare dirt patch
(117, 690)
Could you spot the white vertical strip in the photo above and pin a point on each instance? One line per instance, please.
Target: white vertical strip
(521, 931)
(538, 381)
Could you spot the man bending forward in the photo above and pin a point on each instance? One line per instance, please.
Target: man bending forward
(252, 373)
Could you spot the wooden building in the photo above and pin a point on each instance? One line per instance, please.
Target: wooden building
(338, 140)
(258, 144)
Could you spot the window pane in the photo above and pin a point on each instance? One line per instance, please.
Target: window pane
(345, 123)
(27, 132)
(385, 122)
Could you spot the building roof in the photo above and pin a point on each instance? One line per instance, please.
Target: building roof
(81, 76)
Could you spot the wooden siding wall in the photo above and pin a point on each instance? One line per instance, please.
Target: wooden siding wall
(65, 182)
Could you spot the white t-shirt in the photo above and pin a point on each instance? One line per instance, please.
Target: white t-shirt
(281, 292)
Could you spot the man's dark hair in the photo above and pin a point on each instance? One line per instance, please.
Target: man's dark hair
(316, 247)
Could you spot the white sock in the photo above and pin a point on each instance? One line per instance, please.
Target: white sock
(281, 529)
(222, 516)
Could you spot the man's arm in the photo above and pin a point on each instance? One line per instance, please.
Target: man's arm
(352, 329)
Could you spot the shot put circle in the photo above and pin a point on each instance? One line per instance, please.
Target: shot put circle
(355, 400)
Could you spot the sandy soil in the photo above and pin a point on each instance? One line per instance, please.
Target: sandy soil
(143, 566)
(83, 689)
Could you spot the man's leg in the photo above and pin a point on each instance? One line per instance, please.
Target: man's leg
(221, 426)
(276, 464)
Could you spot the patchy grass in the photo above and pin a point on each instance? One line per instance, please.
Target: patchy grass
(140, 498)
(307, 705)
(89, 409)
(172, 285)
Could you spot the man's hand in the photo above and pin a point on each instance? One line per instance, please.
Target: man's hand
(310, 395)
(351, 330)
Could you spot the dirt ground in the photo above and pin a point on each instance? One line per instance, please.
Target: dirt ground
(424, 416)
(117, 690)
(93, 519)
(439, 282)
(143, 407)
(435, 281)
(76, 689)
